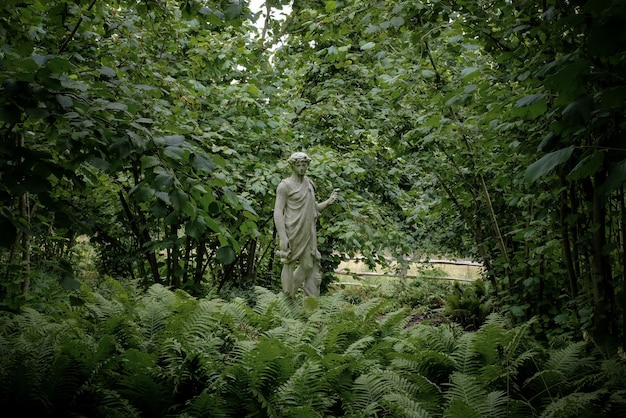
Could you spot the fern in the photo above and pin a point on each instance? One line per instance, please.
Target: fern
(306, 389)
(466, 359)
(372, 391)
(402, 405)
(574, 405)
(466, 394)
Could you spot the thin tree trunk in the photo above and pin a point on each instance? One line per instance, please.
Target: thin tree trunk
(567, 250)
(187, 259)
(200, 252)
(623, 250)
(601, 266)
(143, 237)
(25, 243)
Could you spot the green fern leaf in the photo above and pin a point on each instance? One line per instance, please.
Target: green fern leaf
(574, 405)
(466, 359)
(404, 406)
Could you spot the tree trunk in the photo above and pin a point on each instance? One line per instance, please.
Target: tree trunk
(25, 243)
(567, 250)
(603, 297)
(143, 237)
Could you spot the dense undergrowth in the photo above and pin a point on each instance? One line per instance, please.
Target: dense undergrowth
(123, 352)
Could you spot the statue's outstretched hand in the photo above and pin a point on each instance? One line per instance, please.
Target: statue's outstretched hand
(333, 196)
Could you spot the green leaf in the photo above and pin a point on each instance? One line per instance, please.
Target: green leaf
(108, 72)
(225, 255)
(70, 283)
(148, 161)
(547, 163)
(368, 45)
(175, 153)
(233, 10)
(169, 140)
(529, 100)
(397, 21)
(587, 166)
(616, 177)
(517, 310)
(159, 209)
(202, 162)
(469, 73)
(64, 101)
(163, 181)
(194, 229)
(179, 199)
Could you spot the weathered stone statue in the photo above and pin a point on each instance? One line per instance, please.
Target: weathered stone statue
(295, 217)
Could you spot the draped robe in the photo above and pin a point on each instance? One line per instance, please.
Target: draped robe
(300, 216)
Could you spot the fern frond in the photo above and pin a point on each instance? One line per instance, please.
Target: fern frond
(371, 308)
(574, 405)
(404, 406)
(329, 307)
(393, 323)
(305, 388)
(200, 323)
(545, 383)
(442, 338)
(466, 389)
(466, 359)
(467, 396)
(293, 332)
(207, 404)
(103, 308)
(285, 306)
(370, 389)
(358, 347)
(568, 359)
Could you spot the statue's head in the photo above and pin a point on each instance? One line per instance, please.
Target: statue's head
(298, 156)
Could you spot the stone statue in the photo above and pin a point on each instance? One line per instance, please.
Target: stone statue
(295, 217)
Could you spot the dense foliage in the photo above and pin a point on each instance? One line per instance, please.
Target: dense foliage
(157, 131)
(127, 353)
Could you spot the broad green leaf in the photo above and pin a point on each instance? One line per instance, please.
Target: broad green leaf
(148, 161)
(587, 166)
(367, 45)
(194, 229)
(225, 255)
(59, 65)
(469, 73)
(397, 21)
(202, 162)
(70, 283)
(117, 106)
(179, 199)
(64, 101)
(169, 140)
(578, 111)
(159, 209)
(233, 9)
(616, 177)
(547, 163)
(107, 71)
(175, 153)
(163, 181)
(528, 100)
